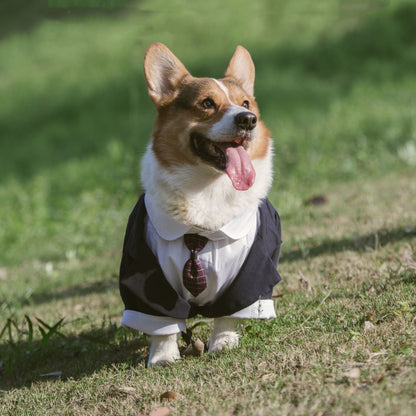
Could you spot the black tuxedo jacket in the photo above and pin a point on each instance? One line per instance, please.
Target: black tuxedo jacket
(144, 288)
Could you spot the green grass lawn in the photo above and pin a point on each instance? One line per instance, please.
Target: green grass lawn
(336, 85)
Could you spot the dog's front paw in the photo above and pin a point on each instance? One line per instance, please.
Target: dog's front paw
(224, 335)
(163, 350)
(224, 340)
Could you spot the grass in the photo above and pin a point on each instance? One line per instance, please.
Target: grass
(335, 84)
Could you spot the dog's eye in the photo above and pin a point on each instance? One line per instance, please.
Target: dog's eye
(245, 104)
(207, 104)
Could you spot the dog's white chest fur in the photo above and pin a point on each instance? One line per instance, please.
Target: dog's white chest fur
(198, 196)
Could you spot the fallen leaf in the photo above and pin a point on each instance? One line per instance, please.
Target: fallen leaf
(316, 200)
(195, 348)
(368, 326)
(161, 411)
(354, 373)
(170, 395)
(198, 347)
(378, 379)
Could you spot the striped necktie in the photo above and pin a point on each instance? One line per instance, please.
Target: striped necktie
(194, 276)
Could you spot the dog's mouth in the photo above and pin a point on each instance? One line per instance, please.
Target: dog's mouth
(229, 156)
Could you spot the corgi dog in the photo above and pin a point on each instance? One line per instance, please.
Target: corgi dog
(206, 174)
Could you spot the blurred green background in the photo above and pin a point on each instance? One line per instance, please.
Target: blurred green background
(336, 84)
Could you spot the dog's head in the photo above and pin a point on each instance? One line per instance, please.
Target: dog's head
(204, 120)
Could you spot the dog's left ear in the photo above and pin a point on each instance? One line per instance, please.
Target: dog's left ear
(241, 67)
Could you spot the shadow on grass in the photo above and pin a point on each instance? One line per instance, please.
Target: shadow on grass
(385, 39)
(379, 50)
(361, 243)
(73, 356)
(83, 289)
(75, 128)
(22, 16)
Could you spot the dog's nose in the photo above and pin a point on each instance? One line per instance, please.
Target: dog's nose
(246, 120)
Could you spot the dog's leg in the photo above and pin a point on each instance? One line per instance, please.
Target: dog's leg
(164, 349)
(224, 334)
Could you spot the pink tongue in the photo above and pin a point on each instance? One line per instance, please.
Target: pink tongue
(239, 168)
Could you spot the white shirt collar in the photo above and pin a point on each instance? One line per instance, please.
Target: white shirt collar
(170, 229)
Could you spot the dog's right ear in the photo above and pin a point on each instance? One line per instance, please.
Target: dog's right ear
(163, 72)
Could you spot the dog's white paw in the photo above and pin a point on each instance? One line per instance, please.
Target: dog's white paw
(224, 335)
(164, 350)
(224, 340)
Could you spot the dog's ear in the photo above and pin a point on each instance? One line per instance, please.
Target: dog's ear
(241, 67)
(163, 72)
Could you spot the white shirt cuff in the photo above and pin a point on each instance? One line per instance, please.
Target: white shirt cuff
(165, 325)
(152, 325)
(262, 309)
